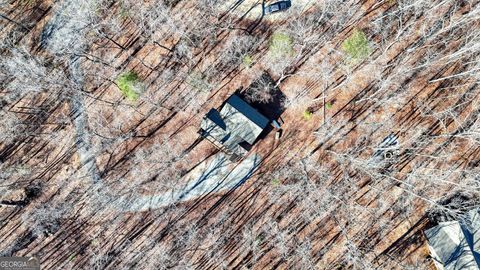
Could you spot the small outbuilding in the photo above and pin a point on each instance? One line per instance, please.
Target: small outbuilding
(234, 128)
(455, 245)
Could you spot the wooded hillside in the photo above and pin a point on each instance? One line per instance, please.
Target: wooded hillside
(101, 165)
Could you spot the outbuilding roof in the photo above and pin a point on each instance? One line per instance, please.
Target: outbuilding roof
(454, 245)
(236, 122)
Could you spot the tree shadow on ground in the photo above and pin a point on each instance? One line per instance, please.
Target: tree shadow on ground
(407, 244)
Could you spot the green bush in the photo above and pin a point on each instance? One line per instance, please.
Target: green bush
(130, 85)
(356, 46)
(307, 115)
(281, 45)
(247, 61)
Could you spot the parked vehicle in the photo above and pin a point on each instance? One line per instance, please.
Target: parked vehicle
(277, 7)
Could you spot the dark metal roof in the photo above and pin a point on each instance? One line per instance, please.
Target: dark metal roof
(235, 123)
(247, 110)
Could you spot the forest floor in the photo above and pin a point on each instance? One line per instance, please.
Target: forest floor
(128, 183)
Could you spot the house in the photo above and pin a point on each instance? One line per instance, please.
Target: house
(234, 128)
(454, 245)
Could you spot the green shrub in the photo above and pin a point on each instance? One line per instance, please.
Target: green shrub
(328, 105)
(356, 46)
(130, 85)
(247, 61)
(307, 115)
(281, 45)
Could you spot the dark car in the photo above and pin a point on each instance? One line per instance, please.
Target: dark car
(277, 6)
